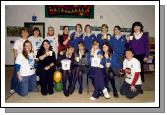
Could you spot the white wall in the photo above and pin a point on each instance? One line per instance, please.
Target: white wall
(112, 15)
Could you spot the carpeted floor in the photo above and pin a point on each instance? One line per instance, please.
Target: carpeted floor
(58, 97)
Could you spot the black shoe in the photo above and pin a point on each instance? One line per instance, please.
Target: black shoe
(115, 94)
(71, 90)
(51, 92)
(141, 91)
(80, 91)
(66, 93)
(44, 94)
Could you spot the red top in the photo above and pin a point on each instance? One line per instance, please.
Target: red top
(61, 39)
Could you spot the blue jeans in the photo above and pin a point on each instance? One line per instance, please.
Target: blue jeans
(28, 84)
(14, 80)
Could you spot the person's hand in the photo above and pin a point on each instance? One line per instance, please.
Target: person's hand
(133, 88)
(100, 56)
(19, 77)
(47, 67)
(61, 53)
(128, 70)
(145, 59)
(122, 71)
(69, 37)
(47, 54)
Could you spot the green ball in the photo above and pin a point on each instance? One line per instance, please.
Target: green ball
(59, 86)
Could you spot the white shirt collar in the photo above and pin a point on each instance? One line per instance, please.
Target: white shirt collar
(138, 36)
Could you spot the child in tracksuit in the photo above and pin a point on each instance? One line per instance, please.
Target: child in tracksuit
(132, 68)
(96, 70)
(118, 44)
(107, 62)
(104, 36)
(76, 36)
(89, 37)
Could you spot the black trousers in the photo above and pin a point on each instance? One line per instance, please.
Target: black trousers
(79, 71)
(46, 81)
(109, 77)
(140, 58)
(67, 76)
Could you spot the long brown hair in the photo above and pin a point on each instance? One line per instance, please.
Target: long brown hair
(25, 54)
(110, 50)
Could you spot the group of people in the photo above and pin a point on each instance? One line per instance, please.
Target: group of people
(102, 57)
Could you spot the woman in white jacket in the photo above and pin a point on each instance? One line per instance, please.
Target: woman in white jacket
(25, 70)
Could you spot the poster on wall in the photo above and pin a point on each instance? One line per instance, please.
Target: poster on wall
(32, 25)
(13, 31)
(69, 11)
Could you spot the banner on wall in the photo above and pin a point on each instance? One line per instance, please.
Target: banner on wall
(69, 11)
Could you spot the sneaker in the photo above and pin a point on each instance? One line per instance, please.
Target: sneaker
(106, 94)
(92, 98)
(12, 91)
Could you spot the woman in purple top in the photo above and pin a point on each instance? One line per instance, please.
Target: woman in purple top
(139, 42)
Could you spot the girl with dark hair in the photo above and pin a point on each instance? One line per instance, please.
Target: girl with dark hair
(65, 64)
(139, 42)
(81, 64)
(88, 37)
(63, 40)
(104, 36)
(24, 65)
(76, 36)
(46, 67)
(107, 62)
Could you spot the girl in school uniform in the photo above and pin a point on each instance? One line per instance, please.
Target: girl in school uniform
(64, 40)
(88, 37)
(96, 70)
(46, 67)
(52, 39)
(25, 70)
(104, 36)
(76, 36)
(36, 40)
(107, 62)
(132, 68)
(139, 42)
(65, 64)
(118, 44)
(81, 62)
(17, 49)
